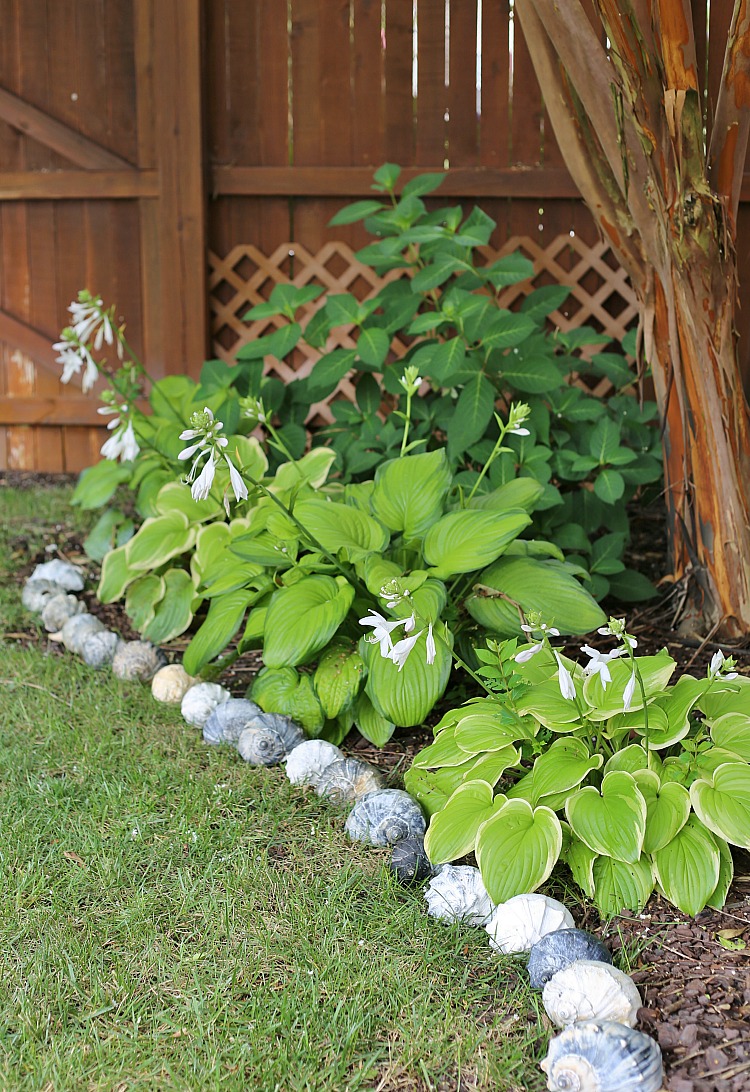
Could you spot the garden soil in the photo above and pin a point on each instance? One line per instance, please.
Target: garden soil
(693, 973)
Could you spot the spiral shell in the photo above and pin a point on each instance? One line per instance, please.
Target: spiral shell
(68, 576)
(98, 649)
(200, 701)
(137, 660)
(267, 738)
(409, 863)
(77, 629)
(58, 609)
(517, 925)
(588, 990)
(347, 779)
(559, 949)
(229, 720)
(602, 1056)
(306, 762)
(36, 593)
(457, 893)
(384, 817)
(171, 683)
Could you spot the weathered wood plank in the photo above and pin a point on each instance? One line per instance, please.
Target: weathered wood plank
(77, 185)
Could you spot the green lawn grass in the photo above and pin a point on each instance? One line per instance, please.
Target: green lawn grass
(171, 918)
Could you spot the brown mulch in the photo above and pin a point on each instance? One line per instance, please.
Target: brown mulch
(693, 973)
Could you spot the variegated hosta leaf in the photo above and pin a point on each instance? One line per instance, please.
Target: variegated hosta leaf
(517, 848)
(302, 619)
(453, 831)
(409, 492)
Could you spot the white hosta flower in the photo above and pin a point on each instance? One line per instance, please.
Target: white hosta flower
(616, 628)
(598, 663)
(86, 315)
(567, 687)
(524, 656)
(410, 623)
(74, 357)
(382, 630)
(122, 444)
(716, 667)
(399, 654)
(431, 650)
(238, 486)
(627, 694)
(201, 487)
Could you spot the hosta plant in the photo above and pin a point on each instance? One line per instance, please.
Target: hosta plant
(633, 781)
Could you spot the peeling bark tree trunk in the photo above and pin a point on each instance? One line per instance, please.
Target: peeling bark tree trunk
(631, 130)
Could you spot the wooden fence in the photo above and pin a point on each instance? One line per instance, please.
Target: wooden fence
(181, 156)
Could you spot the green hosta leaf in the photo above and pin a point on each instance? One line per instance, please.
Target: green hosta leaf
(210, 553)
(143, 595)
(409, 492)
(116, 574)
(492, 766)
(580, 860)
(463, 541)
(234, 574)
(159, 539)
(726, 875)
(723, 803)
(621, 886)
(517, 849)
(285, 691)
(479, 732)
(224, 618)
(563, 766)
(472, 414)
(248, 455)
(406, 697)
(445, 751)
(545, 702)
(336, 526)
(732, 733)
(656, 671)
(668, 808)
(635, 721)
(677, 703)
(174, 611)
(312, 469)
(613, 822)
(518, 493)
(453, 831)
(371, 724)
(254, 629)
(536, 586)
(97, 484)
(337, 677)
(302, 619)
(687, 869)
(727, 697)
(101, 538)
(432, 788)
(630, 759)
(176, 497)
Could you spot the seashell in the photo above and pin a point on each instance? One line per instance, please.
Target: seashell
(306, 762)
(229, 719)
(98, 649)
(200, 701)
(347, 779)
(561, 948)
(457, 893)
(589, 990)
(267, 738)
(602, 1056)
(68, 576)
(77, 629)
(36, 593)
(384, 817)
(171, 683)
(517, 925)
(409, 863)
(137, 660)
(58, 609)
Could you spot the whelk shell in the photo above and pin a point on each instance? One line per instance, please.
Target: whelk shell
(602, 1056)
(78, 629)
(170, 684)
(229, 719)
(200, 701)
(409, 863)
(137, 660)
(457, 893)
(306, 762)
(267, 738)
(347, 779)
(36, 593)
(384, 817)
(98, 649)
(63, 573)
(517, 925)
(589, 990)
(58, 609)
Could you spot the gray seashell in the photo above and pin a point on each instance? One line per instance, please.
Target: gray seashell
(348, 779)
(306, 762)
(267, 738)
(77, 629)
(200, 701)
(384, 817)
(58, 609)
(68, 576)
(229, 720)
(561, 948)
(602, 1056)
(36, 593)
(588, 990)
(170, 684)
(457, 893)
(409, 863)
(517, 925)
(137, 660)
(98, 649)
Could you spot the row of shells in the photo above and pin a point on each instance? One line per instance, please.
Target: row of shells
(592, 1001)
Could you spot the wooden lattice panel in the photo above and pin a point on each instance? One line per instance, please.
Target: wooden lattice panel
(600, 294)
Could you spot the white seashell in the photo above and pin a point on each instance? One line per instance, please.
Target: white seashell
(171, 683)
(58, 609)
(589, 990)
(36, 593)
(516, 925)
(63, 573)
(98, 649)
(384, 817)
(201, 700)
(137, 660)
(307, 761)
(347, 779)
(268, 738)
(77, 629)
(229, 720)
(602, 1056)
(457, 893)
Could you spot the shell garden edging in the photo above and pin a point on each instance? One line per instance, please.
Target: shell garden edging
(594, 1003)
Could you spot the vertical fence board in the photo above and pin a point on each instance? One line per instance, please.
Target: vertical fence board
(399, 103)
(463, 123)
(432, 96)
(368, 77)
